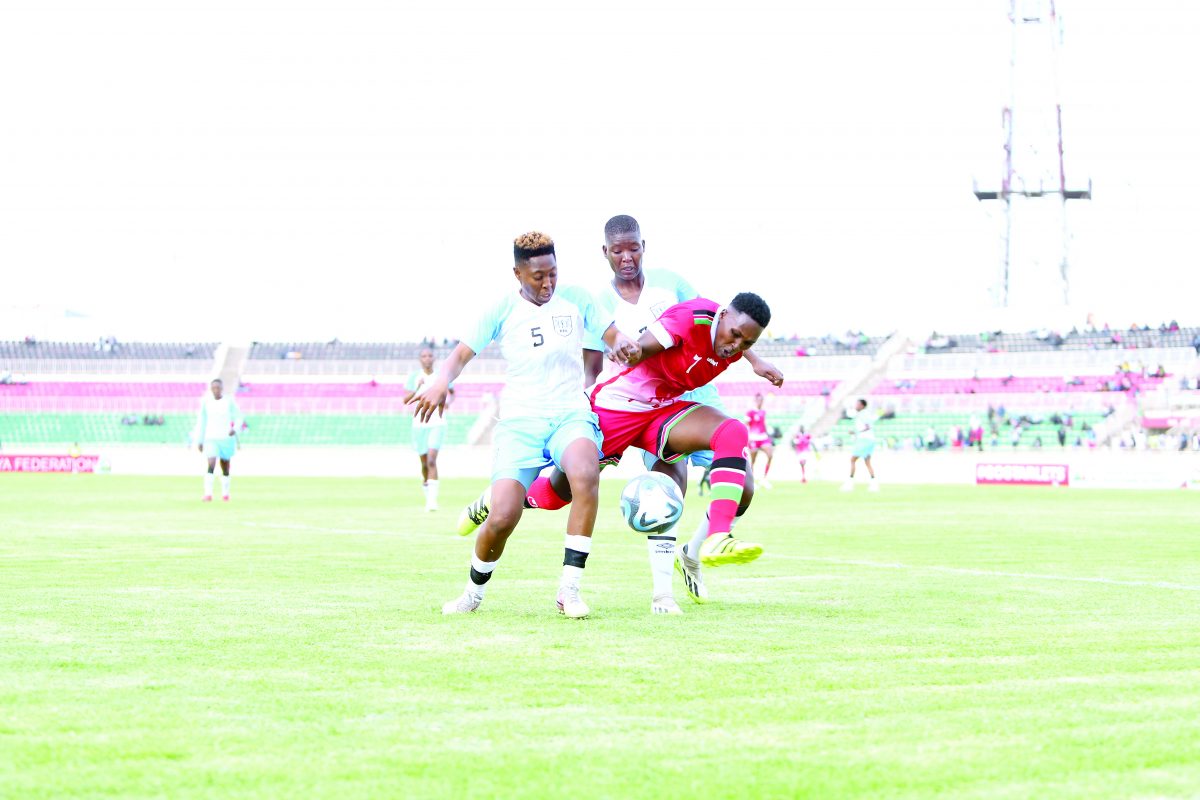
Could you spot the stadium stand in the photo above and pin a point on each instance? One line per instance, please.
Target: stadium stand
(1020, 388)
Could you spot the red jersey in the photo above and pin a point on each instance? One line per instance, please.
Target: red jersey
(687, 331)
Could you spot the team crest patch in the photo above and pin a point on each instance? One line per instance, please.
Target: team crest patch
(563, 325)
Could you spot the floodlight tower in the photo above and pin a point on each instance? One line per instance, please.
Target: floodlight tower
(1033, 186)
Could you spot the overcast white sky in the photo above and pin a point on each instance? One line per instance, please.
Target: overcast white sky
(303, 170)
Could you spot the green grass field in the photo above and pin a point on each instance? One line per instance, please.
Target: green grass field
(927, 641)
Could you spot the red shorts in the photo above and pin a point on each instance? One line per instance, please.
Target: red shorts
(645, 429)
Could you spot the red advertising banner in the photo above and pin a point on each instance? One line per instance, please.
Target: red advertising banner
(1023, 474)
(35, 463)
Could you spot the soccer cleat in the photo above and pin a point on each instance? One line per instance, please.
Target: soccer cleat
(719, 550)
(206, 499)
(848, 486)
(225, 498)
(689, 569)
(431, 508)
(664, 604)
(473, 515)
(764, 483)
(465, 603)
(570, 603)
(873, 487)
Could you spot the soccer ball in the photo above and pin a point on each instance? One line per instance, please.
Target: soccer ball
(651, 503)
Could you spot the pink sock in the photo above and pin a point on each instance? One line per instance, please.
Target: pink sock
(728, 474)
(767, 470)
(542, 495)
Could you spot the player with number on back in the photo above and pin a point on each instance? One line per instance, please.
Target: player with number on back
(544, 414)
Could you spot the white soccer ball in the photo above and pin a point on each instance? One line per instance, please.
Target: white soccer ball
(651, 503)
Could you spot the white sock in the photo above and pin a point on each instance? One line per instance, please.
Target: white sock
(662, 561)
(693, 548)
(575, 553)
(481, 573)
(431, 494)
(208, 484)
(225, 485)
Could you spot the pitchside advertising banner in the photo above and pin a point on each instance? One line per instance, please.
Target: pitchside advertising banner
(1023, 474)
(35, 463)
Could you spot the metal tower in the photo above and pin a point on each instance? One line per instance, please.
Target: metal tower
(1033, 187)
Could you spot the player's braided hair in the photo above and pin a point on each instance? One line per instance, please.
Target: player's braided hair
(753, 307)
(621, 224)
(532, 244)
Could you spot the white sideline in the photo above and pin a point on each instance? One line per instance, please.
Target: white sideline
(1183, 587)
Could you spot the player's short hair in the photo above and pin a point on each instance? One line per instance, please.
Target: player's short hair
(531, 245)
(863, 400)
(621, 224)
(216, 380)
(753, 307)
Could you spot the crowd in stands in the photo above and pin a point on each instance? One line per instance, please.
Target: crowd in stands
(1090, 337)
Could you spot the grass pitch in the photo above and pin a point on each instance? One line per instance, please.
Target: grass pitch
(962, 642)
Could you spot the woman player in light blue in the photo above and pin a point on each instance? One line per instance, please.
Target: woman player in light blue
(427, 437)
(545, 417)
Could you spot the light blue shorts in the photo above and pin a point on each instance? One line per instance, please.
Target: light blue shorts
(863, 448)
(426, 438)
(220, 448)
(524, 446)
(705, 395)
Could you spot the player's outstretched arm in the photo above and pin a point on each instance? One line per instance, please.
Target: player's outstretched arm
(763, 369)
(433, 398)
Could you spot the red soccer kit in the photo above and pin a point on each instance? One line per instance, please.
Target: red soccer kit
(639, 406)
(756, 422)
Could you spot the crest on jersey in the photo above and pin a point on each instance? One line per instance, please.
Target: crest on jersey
(563, 325)
(658, 308)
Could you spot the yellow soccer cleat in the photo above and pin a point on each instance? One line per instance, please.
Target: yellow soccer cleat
(473, 515)
(720, 550)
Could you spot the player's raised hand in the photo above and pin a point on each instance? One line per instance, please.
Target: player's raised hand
(765, 369)
(429, 398)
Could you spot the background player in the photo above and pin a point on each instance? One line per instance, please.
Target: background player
(760, 438)
(215, 435)
(864, 444)
(544, 414)
(428, 435)
(802, 444)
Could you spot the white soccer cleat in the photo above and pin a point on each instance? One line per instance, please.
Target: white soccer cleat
(664, 604)
(431, 507)
(848, 486)
(873, 486)
(689, 569)
(570, 603)
(473, 515)
(764, 483)
(465, 603)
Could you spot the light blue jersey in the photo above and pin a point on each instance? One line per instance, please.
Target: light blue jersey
(417, 381)
(542, 406)
(661, 290)
(543, 348)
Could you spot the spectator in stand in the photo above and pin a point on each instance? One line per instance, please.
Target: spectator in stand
(975, 435)
(1196, 343)
(1062, 436)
